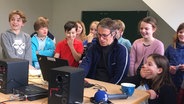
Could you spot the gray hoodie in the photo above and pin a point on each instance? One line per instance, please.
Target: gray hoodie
(16, 46)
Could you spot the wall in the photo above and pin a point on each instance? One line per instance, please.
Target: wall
(31, 8)
(64, 10)
(171, 11)
(60, 11)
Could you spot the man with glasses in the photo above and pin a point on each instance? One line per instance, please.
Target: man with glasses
(106, 60)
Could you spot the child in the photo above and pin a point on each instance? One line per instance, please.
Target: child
(144, 46)
(81, 31)
(156, 73)
(175, 53)
(16, 43)
(91, 38)
(70, 48)
(119, 35)
(92, 33)
(41, 43)
(48, 34)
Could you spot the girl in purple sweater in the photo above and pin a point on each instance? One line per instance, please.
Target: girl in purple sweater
(144, 46)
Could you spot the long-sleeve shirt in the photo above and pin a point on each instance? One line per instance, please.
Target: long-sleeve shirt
(140, 52)
(16, 46)
(117, 62)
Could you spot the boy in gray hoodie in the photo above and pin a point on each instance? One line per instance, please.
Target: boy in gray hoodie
(14, 42)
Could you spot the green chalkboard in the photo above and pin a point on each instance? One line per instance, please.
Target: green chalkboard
(130, 18)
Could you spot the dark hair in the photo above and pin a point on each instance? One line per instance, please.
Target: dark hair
(149, 20)
(164, 77)
(39, 24)
(20, 13)
(175, 37)
(107, 23)
(69, 25)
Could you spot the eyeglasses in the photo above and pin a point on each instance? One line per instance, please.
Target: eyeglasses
(103, 35)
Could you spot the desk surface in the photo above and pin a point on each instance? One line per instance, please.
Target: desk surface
(136, 98)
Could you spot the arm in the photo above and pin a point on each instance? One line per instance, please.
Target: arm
(86, 62)
(76, 55)
(28, 50)
(159, 48)
(121, 65)
(132, 61)
(167, 95)
(57, 50)
(9, 51)
(48, 49)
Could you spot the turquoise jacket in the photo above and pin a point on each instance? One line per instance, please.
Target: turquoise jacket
(47, 51)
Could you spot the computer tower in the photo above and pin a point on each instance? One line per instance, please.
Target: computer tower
(66, 85)
(13, 74)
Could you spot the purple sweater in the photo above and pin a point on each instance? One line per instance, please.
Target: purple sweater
(139, 51)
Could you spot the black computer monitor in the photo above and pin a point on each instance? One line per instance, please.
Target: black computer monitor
(47, 63)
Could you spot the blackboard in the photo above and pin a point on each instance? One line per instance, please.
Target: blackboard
(130, 18)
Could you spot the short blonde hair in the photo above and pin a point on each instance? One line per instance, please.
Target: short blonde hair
(120, 24)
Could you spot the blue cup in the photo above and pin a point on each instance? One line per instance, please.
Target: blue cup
(128, 88)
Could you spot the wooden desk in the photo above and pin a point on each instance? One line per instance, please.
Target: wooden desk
(136, 98)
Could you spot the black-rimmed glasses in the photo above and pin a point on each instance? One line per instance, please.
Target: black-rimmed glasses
(103, 35)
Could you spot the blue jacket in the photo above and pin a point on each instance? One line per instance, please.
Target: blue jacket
(47, 51)
(176, 57)
(118, 62)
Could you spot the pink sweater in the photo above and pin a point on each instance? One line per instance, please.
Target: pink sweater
(139, 51)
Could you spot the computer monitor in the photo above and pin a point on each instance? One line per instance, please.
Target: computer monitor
(47, 63)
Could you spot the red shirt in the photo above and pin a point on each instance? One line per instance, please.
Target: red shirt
(65, 53)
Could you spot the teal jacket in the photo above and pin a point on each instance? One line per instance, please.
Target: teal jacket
(47, 51)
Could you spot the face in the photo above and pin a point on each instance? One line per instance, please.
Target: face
(146, 30)
(105, 36)
(151, 68)
(118, 34)
(42, 31)
(93, 28)
(71, 34)
(16, 22)
(181, 36)
(79, 29)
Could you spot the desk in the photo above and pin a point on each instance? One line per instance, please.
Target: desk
(136, 98)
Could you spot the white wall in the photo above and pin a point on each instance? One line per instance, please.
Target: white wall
(31, 8)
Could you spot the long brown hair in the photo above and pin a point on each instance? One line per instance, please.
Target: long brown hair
(164, 77)
(175, 37)
(83, 34)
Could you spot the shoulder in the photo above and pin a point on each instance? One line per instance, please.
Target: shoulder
(120, 47)
(158, 42)
(26, 35)
(169, 47)
(138, 41)
(76, 41)
(7, 33)
(165, 89)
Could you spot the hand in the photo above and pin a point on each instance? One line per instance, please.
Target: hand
(31, 67)
(152, 94)
(181, 67)
(173, 69)
(70, 41)
(145, 73)
(90, 37)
